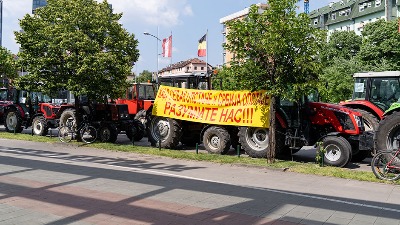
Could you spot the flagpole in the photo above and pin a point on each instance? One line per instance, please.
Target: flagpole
(207, 51)
(170, 64)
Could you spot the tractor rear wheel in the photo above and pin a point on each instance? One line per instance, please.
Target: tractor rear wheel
(13, 122)
(387, 136)
(108, 133)
(39, 126)
(164, 131)
(68, 113)
(370, 121)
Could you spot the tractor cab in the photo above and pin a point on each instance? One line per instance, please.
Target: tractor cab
(380, 88)
(200, 81)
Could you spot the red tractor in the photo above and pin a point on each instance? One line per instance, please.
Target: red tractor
(19, 109)
(139, 98)
(373, 94)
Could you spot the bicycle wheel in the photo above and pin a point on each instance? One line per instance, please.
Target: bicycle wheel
(88, 134)
(380, 168)
(65, 134)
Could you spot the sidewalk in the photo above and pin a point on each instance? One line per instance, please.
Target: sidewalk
(43, 183)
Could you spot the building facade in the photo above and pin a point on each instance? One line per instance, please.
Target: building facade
(226, 55)
(353, 15)
(189, 66)
(38, 3)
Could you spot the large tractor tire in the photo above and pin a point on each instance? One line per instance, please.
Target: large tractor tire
(216, 140)
(167, 130)
(137, 131)
(387, 136)
(13, 121)
(255, 141)
(338, 151)
(39, 126)
(68, 113)
(360, 156)
(108, 133)
(370, 121)
(141, 116)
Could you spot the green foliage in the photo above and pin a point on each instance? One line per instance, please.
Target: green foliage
(275, 50)
(380, 48)
(8, 67)
(144, 76)
(77, 46)
(319, 156)
(341, 44)
(336, 80)
(226, 79)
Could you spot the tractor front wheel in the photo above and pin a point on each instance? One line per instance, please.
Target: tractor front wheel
(13, 122)
(39, 126)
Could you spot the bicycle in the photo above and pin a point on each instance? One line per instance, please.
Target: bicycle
(386, 165)
(68, 131)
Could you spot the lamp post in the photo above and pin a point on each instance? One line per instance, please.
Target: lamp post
(1, 22)
(157, 40)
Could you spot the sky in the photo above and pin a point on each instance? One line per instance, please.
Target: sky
(186, 20)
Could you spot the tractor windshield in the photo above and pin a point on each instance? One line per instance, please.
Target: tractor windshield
(146, 92)
(360, 88)
(384, 92)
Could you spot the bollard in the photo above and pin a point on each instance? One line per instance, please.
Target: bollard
(197, 148)
(159, 144)
(133, 134)
(322, 154)
(32, 131)
(238, 150)
(51, 133)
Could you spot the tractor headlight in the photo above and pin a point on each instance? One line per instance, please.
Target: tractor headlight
(358, 121)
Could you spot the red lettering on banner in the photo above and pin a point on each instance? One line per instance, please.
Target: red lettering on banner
(213, 114)
(230, 116)
(167, 106)
(237, 120)
(223, 115)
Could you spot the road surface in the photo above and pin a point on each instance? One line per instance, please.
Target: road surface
(42, 183)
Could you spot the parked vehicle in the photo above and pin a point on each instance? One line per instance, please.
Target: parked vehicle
(139, 98)
(373, 94)
(19, 109)
(299, 124)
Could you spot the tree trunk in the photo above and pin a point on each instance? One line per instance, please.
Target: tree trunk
(272, 128)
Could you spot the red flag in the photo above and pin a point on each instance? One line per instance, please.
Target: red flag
(167, 47)
(202, 50)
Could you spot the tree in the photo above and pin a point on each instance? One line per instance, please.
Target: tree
(341, 44)
(380, 48)
(77, 46)
(340, 63)
(336, 80)
(275, 51)
(145, 76)
(8, 67)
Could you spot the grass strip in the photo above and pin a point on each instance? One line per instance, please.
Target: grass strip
(298, 167)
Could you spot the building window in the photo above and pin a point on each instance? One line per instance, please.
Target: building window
(202, 68)
(333, 16)
(195, 68)
(361, 8)
(377, 3)
(315, 21)
(369, 4)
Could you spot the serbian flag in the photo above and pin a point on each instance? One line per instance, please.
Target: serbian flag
(167, 47)
(202, 50)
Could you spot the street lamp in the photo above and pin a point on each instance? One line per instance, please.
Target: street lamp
(157, 40)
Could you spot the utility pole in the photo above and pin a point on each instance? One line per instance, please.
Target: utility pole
(1, 22)
(388, 10)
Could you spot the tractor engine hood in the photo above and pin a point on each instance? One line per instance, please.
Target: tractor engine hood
(342, 119)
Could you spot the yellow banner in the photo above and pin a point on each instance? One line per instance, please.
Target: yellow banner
(238, 108)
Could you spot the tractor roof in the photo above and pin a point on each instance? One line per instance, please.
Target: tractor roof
(378, 74)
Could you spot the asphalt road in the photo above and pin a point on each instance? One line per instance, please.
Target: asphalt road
(57, 183)
(306, 154)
